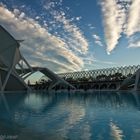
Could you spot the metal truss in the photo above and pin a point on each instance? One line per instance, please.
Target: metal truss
(125, 71)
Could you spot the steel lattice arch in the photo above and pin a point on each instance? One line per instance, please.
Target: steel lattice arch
(119, 78)
(124, 70)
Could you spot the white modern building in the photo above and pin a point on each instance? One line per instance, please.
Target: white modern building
(11, 58)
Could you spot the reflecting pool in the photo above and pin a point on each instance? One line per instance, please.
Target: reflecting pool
(70, 116)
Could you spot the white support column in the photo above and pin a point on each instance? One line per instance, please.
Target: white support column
(27, 63)
(53, 85)
(28, 75)
(21, 67)
(137, 80)
(9, 73)
(0, 82)
(6, 79)
(20, 79)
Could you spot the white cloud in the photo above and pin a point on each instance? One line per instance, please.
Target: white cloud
(133, 23)
(97, 40)
(120, 17)
(78, 18)
(91, 26)
(49, 5)
(135, 44)
(16, 12)
(37, 17)
(40, 47)
(96, 37)
(99, 43)
(105, 62)
(91, 62)
(114, 17)
(73, 35)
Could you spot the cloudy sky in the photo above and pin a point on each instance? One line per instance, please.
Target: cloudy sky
(74, 35)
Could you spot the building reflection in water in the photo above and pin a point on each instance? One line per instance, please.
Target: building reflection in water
(98, 115)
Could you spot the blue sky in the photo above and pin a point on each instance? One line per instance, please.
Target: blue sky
(75, 35)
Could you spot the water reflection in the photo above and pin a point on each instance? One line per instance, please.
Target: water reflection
(36, 101)
(116, 132)
(98, 115)
(3, 98)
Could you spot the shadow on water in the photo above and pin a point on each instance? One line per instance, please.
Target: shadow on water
(94, 115)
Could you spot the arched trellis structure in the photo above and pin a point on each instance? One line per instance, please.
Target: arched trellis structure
(131, 74)
(125, 71)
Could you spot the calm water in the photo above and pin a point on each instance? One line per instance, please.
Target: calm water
(65, 116)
